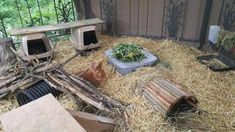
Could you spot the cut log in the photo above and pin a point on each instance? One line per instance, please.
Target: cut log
(7, 57)
(168, 97)
(93, 123)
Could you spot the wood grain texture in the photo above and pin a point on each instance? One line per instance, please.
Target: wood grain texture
(155, 12)
(134, 20)
(123, 16)
(93, 123)
(42, 115)
(191, 27)
(40, 29)
(96, 10)
(7, 57)
(143, 16)
(137, 17)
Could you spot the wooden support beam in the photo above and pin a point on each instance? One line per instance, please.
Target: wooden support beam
(7, 57)
(205, 21)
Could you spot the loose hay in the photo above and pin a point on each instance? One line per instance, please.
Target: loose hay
(215, 91)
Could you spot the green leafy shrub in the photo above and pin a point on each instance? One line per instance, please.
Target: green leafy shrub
(128, 52)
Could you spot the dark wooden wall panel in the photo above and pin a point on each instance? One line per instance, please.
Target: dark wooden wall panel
(134, 12)
(227, 16)
(147, 17)
(200, 20)
(192, 21)
(155, 18)
(143, 16)
(95, 7)
(215, 12)
(123, 16)
(168, 22)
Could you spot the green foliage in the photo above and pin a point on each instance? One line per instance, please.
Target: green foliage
(65, 10)
(128, 52)
(11, 10)
(227, 39)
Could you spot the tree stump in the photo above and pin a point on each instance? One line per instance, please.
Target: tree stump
(7, 56)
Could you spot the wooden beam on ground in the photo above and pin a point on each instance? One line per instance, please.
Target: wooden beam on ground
(93, 123)
(42, 115)
(46, 28)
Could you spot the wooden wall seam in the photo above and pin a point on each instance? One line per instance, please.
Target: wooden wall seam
(147, 17)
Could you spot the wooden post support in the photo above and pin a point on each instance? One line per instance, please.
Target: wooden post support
(205, 21)
(7, 57)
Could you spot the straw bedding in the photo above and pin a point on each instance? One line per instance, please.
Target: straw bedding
(215, 91)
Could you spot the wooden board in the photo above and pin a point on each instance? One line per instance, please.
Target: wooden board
(40, 29)
(155, 17)
(123, 16)
(191, 27)
(96, 10)
(42, 115)
(134, 20)
(143, 16)
(93, 123)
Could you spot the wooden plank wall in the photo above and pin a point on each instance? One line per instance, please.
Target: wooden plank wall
(148, 17)
(96, 11)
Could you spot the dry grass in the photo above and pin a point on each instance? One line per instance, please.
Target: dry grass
(215, 91)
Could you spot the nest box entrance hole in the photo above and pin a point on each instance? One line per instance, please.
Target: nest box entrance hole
(36, 46)
(89, 37)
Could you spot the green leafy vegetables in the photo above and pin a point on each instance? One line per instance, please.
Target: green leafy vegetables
(128, 52)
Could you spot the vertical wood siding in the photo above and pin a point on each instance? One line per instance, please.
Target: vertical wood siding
(149, 17)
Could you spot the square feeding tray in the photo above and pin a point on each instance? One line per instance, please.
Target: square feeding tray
(127, 67)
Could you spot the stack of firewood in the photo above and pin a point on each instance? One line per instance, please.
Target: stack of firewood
(75, 85)
(21, 75)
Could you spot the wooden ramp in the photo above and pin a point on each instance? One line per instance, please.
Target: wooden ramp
(42, 115)
(46, 28)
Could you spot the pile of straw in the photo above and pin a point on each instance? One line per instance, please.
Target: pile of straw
(215, 91)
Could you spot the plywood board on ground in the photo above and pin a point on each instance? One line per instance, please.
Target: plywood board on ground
(42, 115)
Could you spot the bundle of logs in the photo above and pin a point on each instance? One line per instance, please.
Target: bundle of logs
(17, 74)
(168, 97)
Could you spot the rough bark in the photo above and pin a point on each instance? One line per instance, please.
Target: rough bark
(7, 57)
